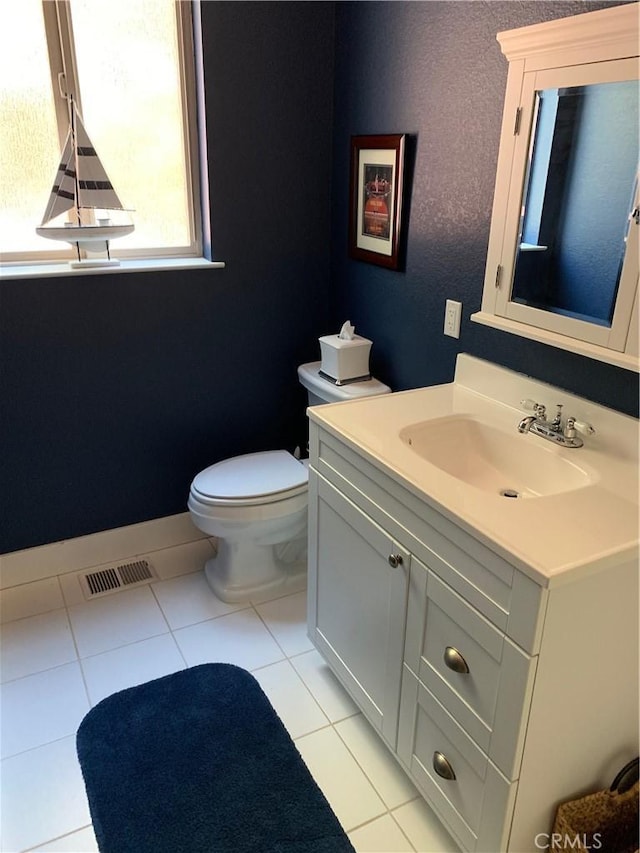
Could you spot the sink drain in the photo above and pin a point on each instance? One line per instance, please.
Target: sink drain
(509, 493)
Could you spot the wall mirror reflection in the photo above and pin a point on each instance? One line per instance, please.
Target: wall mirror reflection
(579, 199)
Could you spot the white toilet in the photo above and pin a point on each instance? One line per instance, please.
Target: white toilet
(256, 506)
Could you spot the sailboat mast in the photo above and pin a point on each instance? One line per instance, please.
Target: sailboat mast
(76, 183)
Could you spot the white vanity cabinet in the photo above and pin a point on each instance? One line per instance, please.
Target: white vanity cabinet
(498, 696)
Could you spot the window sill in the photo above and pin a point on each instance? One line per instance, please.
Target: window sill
(133, 265)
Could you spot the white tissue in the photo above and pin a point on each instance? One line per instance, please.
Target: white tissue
(346, 332)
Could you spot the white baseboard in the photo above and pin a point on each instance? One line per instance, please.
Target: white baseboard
(72, 555)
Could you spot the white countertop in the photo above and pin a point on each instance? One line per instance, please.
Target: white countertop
(552, 538)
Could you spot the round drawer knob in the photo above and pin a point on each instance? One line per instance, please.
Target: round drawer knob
(442, 766)
(395, 560)
(455, 661)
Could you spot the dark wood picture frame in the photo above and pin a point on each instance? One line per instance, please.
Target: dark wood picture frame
(376, 198)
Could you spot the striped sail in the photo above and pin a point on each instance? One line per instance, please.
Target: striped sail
(63, 193)
(94, 186)
(80, 174)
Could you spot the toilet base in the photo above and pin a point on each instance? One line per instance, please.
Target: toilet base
(242, 571)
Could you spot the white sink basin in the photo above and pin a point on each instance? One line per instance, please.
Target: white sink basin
(489, 459)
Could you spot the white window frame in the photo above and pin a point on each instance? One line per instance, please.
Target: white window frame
(64, 81)
(599, 47)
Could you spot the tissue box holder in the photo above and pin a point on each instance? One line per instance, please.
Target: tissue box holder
(344, 360)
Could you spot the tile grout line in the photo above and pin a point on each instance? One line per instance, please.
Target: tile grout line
(79, 659)
(38, 746)
(166, 619)
(393, 818)
(4, 622)
(296, 673)
(355, 758)
(57, 838)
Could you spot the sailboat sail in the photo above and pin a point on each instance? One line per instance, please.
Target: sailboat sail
(63, 193)
(94, 186)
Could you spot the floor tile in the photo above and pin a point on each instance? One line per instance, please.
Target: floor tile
(382, 835)
(82, 841)
(381, 768)
(35, 644)
(43, 796)
(41, 708)
(239, 638)
(343, 783)
(188, 599)
(325, 687)
(423, 829)
(293, 703)
(115, 620)
(130, 665)
(30, 599)
(286, 618)
(71, 589)
(181, 559)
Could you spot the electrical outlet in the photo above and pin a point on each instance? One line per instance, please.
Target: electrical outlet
(452, 314)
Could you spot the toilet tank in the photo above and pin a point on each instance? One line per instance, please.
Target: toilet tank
(321, 390)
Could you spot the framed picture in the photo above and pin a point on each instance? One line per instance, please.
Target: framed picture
(375, 212)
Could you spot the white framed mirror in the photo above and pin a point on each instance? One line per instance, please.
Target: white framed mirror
(562, 261)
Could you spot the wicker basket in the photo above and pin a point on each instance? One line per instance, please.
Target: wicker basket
(606, 820)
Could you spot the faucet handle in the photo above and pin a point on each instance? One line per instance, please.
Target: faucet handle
(573, 426)
(532, 406)
(583, 427)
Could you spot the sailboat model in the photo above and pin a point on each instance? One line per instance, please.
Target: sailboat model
(83, 187)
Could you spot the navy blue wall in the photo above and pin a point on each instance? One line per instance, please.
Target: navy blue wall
(435, 70)
(117, 389)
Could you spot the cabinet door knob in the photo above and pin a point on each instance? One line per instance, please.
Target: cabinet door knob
(442, 766)
(455, 661)
(395, 560)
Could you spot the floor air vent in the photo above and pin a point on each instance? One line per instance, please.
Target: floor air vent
(105, 581)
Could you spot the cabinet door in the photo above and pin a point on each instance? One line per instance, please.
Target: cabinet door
(358, 588)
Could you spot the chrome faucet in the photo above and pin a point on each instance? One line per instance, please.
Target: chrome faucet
(565, 434)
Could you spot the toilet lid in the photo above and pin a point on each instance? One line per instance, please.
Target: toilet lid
(252, 476)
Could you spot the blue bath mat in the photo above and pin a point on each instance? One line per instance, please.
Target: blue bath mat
(199, 762)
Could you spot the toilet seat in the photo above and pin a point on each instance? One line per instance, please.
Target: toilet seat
(251, 479)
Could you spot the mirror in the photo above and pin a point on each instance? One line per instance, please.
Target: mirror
(563, 254)
(580, 186)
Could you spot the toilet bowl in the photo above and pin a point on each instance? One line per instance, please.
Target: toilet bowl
(256, 507)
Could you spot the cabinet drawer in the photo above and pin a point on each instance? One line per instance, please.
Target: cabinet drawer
(481, 677)
(475, 803)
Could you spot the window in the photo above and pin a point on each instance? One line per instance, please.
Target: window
(129, 65)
